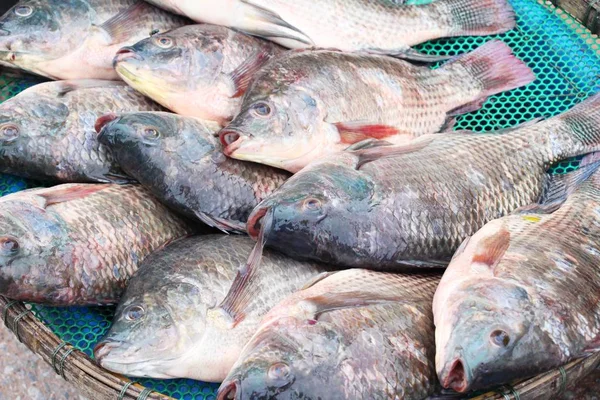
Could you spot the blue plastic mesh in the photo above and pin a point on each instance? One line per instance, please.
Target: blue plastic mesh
(565, 58)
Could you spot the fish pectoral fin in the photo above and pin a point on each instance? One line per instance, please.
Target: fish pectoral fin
(409, 54)
(316, 279)
(321, 304)
(380, 152)
(367, 144)
(269, 24)
(356, 131)
(121, 26)
(224, 225)
(243, 74)
(64, 193)
(557, 188)
(117, 179)
(63, 87)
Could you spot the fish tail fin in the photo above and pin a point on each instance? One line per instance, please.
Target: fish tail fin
(583, 122)
(494, 69)
(479, 17)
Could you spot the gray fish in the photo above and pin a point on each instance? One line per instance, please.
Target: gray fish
(520, 297)
(78, 244)
(305, 105)
(47, 131)
(381, 26)
(197, 70)
(355, 334)
(180, 160)
(412, 206)
(76, 39)
(166, 325)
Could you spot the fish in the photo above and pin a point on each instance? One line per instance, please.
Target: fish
(167, 324)
(410, 207)
(306, 105)
(353, 334)
(379, 26)
(520, 297)
(199, 71)
(181, 162)
(78, 244)
(47, 131)
(76, 39)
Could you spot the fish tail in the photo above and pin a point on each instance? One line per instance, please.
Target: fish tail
(479, 17)
(493, 68)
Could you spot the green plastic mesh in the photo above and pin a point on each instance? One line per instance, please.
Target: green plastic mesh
(564, 56)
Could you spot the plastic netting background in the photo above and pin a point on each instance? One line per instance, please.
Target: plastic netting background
(563, 55)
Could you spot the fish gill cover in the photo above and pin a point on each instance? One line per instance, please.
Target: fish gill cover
(561, 52)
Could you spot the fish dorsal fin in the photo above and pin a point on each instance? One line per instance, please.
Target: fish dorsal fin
(65, 193)
(243, 74)
(318, 305)
(64, 87)
(380, 152)
(121, 26)
(269, 24)
(491, 249)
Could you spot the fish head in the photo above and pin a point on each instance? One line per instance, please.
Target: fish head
(166, 65)
(156, 139)
(285, 129)
(320, 213)
(154, 330)
(26, 122)
(34, 247)
(487, 337)
(36, 31)
(288, 359)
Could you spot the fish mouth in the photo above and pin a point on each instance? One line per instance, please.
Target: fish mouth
(229, 391)
(231, 140)
(457, 378)
(255, 222)
(126, 54)
(103, 349)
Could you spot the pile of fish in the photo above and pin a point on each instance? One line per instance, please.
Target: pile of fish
(300, 223)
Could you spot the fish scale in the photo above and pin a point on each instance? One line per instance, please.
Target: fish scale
(544, 258)
(105, 236)
(351, 334)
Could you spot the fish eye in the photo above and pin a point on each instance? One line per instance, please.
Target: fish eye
(262, 109)
(279, 371)
(500, 338)
(23, 11)
(8, 245)
(134, 313)
(8, 133)
(164, 42)
(311, 204)
(151, 133)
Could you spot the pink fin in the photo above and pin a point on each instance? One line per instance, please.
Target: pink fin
(64, 193)
(495, 67)
(491, 249)
(480, 17)
(376, 153)
(243, 74)
(354, 132)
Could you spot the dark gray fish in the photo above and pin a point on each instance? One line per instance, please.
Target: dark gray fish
(166, 325)
(180, 160)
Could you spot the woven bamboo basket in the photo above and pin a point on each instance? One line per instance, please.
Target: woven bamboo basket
(558, 39)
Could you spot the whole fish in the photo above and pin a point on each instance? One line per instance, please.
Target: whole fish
(355, 334)
(181, 162)
(380, 26)
(412, 206)
(521, 296)
(197, 70)
(76, 39)
(166, 326)
(47, 131)
(305, 105)
(78, 244)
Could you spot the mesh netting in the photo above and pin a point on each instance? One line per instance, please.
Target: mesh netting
(564, 56)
